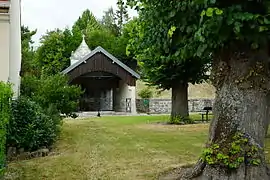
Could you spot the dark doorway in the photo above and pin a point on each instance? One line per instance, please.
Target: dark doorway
(98, 91)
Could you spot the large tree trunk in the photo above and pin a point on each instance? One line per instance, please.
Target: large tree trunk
(242, 83)
(179, 102)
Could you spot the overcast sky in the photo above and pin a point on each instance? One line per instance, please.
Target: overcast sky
(50, 14)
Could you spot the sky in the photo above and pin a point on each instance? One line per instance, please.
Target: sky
(46, 15)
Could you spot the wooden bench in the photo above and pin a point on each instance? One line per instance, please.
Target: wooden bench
(205, 112)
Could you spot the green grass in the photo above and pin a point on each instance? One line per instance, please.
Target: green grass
(116, 148)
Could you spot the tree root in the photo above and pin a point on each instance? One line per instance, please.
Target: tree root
(203, 171)
(195, 172)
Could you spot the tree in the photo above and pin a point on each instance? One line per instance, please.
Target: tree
(53, 55)
(28, 53)
(164, 56)
(50, 55)
(87, 22)
(121, 14)
(109, 21)
(236, 34)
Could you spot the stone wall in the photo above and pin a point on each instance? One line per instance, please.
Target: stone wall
(163, 106)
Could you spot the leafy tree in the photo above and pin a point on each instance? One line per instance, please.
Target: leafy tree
(164, 56)
(52, 90)
(236, 35)
(53, 55)
(28, 53)
(109, 21)
(87, 22)
(121, 14)
(101, 38)
(50, 55)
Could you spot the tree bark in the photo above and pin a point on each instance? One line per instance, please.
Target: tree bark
(179, 101)
(242, 82)
(267, 119)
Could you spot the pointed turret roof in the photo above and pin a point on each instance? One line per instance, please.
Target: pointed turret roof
(81, 51)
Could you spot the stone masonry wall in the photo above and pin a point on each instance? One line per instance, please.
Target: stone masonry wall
(163, 106)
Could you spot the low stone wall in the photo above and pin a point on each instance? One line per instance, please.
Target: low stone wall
(163, 106)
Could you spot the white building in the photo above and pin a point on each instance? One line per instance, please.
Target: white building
(10, 43)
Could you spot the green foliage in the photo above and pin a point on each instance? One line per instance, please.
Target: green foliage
(29, 85)
(101, 38)
(28, 52)
(146, 93)
(116, 45)
(52, 90)
(181, 120)
(53, 55)
(231, 154)
(5, 96)
(56, 46)
(191, 32)
(121, 13)
(32, 127)
(109, 22)
(87, 22)
(163, 43)
(231, 24)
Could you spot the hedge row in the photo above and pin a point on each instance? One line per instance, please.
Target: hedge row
(5, 96)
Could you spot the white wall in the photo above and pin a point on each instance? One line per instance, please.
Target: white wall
(125, 91)
(4, 47)
(15, 46)
(132, 94)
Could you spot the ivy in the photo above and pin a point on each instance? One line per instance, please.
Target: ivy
(232, 153)
(5, 96)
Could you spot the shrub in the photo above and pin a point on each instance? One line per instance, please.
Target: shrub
(32, 127)
(181, 120)
(5, 95)
(29, 85)
(52, 90)
(145, 93)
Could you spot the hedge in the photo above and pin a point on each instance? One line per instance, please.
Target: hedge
(5, 96)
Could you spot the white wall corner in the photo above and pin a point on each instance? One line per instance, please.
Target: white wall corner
(132, 95)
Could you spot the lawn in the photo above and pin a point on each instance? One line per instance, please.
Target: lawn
(116, 148)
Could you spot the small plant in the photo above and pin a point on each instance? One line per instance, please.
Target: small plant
(146, 93)
(231, 154)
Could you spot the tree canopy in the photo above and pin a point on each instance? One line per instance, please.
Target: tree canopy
(28, 52)
(163, 46)
(53, 54)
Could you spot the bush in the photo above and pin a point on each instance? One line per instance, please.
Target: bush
(52, 90)
(29, 85)
(145, 93)
(5, 96)
(181, 120)
(32, 127)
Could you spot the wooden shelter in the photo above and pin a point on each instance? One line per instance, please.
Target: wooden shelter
(109, 84)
